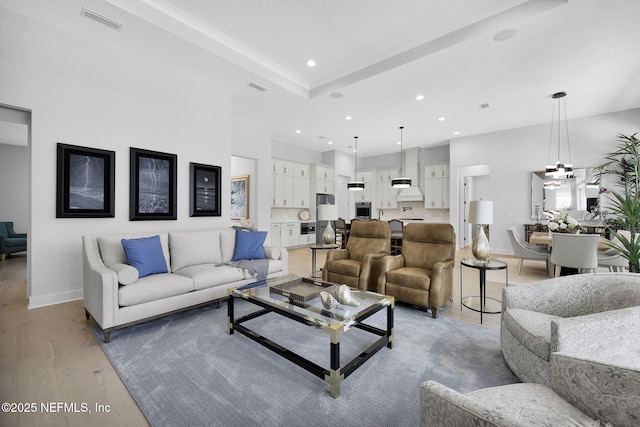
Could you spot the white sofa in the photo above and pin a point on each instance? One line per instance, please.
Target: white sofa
(196, 275)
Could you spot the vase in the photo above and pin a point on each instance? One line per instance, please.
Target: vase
(329, 236)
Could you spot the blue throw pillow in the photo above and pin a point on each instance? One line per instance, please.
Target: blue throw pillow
(249, 245)
(145, 254)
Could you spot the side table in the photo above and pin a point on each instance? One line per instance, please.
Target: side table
(482, 303)
(314, 273)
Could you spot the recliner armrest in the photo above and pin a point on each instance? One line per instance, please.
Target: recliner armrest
(388, 263)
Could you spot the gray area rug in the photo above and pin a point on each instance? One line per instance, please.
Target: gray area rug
(184, 370)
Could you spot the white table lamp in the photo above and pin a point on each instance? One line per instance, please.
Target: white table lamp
(481, 213)
(328, 213)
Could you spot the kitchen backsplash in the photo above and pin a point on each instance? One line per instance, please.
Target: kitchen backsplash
(288, 215)
(417, 211)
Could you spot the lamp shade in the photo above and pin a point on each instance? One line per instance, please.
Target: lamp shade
(480, 212)
(327, 212)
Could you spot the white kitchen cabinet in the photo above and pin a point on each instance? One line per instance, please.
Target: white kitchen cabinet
(307, 239)
(301, 192)
(324, 180)
(274, 236)
(282, 167)
(368, 193)
(386, 195)
(283, 191)
(436, 186)
(301, 170)
(290, 234)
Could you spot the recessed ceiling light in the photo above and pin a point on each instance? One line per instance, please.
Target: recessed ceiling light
(330, 142)
(348, 118)
(485, 105)
(441, 119)
(456, 133)
(399, 142)
(311, 63)
(419, 97)
(298, 131)
(336, 95)
(504, 35)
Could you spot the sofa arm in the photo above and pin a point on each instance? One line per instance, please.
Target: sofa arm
(281, 254)
(388, 263)
(100, 285)
(441, 406)
(370, 271)
(600, 390)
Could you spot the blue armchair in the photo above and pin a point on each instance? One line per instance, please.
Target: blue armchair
(10, 241)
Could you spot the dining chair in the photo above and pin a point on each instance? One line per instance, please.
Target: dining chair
(611, 258)
(524, 250)
(397, 231)
(340, 226)
(579, 251)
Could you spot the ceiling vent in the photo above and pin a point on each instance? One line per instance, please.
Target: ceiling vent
(101, 19)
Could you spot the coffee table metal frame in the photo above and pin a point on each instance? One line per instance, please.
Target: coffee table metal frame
(278, 304)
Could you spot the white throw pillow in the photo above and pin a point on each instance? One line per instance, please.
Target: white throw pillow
(127, 275)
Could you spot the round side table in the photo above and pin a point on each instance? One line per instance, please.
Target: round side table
(482, 303)
(314, 273)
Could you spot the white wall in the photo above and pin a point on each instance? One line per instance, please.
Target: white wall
(513, 154)
(84, 94)
(14, 191)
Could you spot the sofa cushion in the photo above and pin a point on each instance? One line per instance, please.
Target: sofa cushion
(154, 287)
(227, 243)
(208, 275)
(127, 275)
(249, 245)
(194, 247)
(145, 254)
(111, 250)
(345, 267)
(531, 328)
(412, 277)
(15, 241)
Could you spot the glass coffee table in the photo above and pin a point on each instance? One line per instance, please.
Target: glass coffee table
(297, 298)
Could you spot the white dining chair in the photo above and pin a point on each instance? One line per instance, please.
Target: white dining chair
(579, 251)
(524, 250)
(611, 258)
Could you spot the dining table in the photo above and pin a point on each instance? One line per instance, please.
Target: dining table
(546, 239)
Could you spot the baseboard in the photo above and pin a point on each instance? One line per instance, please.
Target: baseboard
(52, 299)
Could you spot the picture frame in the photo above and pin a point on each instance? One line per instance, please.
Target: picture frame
(153, 185)
(205, 192)
(85, 182)
(240, 197)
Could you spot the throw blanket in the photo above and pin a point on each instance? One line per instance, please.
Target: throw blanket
(251, 267)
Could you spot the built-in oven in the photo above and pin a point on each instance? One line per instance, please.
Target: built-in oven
(363, 210)
(307, 228)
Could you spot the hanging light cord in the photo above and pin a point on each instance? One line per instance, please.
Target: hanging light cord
(401, 153)
(553, 113)
(356, 156)
(566, 125)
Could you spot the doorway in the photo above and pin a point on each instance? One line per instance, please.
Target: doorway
(15, 176)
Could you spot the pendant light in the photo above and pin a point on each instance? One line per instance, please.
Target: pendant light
(402, 181)
(560, 169)
(355, 185)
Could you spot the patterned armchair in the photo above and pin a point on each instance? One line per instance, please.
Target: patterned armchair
(10, 241)
(357, 265)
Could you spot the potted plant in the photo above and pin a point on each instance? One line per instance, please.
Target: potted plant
(624, 164)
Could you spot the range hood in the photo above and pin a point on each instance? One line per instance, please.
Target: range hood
(413, 193)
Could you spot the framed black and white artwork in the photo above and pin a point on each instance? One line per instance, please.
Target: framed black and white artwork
(153, 187)
(205, 191)
(85, 182)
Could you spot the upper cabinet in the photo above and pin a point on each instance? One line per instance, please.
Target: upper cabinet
(324, 179)
(366, 195)
(291, 184)
(436, 186)
(386, 195)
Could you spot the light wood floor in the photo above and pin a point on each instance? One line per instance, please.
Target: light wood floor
(49, 355)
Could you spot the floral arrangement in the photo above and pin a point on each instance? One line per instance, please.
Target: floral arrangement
(564, 224)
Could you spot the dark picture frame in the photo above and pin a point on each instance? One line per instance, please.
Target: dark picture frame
(85, 182)
(240, 197)
(153, 185)
(205, 192)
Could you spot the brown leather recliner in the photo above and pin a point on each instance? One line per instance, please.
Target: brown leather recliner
(357, 266)
(423, 273)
